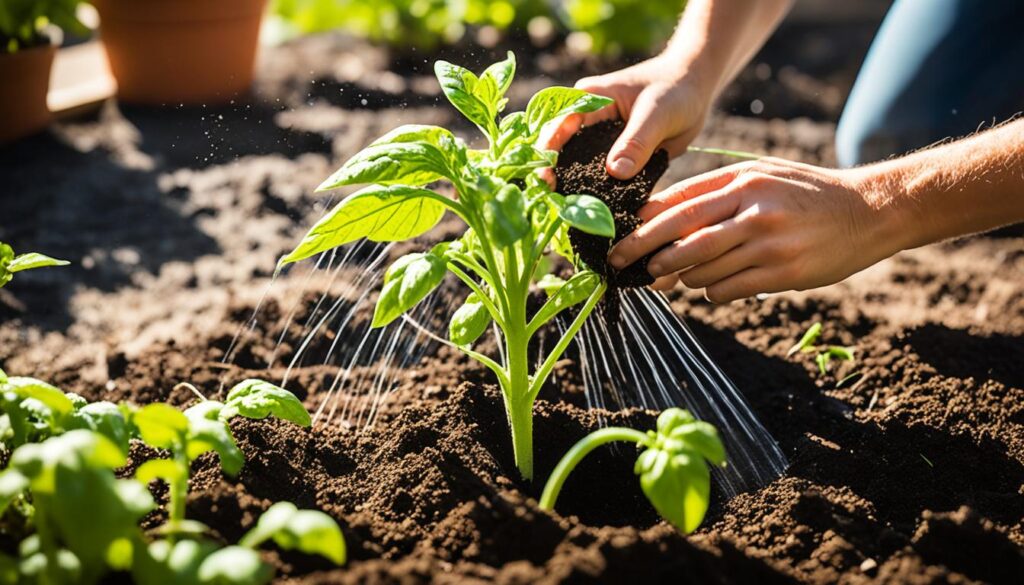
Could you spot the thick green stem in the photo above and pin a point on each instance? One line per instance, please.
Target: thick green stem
(518, 403)
(520, 418)
(580, 450)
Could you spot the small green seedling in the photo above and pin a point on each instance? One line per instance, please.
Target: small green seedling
(824, 356)
(31, 411)
(673, 465)
(190, 561)
(9, 263)
(203, 428)
(514, 221)
(85, 519)
(22, 22)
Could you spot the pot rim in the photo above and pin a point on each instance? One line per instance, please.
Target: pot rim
(177, 11)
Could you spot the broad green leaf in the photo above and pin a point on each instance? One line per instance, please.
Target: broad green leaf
(160, 425)
(502, 72)
(104, 418)
(405, 286)
(49, 395)
(381, 214)
(561, 244)
(460, 87)
(259, 399)
(701, 437)
(807, 341)
(521, 160)
(214, 435)
(678, 485)
(589, 214)
(554, 102)
(505, 216)
(33, 260)
(234, 565)
(164, 469)
(167, 563)
(576, 290)
(405, 163)
(308, 531)
(440, 138)
(469, 322)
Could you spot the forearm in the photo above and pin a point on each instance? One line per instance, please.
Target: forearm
(716, 38)
(965, 187)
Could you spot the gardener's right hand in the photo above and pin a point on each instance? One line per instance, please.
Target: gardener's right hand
(663, 102)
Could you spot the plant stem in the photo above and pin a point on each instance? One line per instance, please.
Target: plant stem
(179, 487)
(578, 452)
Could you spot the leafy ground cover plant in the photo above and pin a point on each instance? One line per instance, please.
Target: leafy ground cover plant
(824, 354)
(672, 465)
(22, 21)
(11, 263)
(513, 221)
(622, 26)
(80, 521)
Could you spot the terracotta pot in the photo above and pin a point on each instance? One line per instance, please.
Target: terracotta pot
(181, 51)
(24, 81)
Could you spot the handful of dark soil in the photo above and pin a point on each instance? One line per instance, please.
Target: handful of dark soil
(581, 170)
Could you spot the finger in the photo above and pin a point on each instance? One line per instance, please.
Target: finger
(686, 190)
(598, 85)
(677, 145)
(732, 262)
(676, 223)
(643, 134)
(554, 136)
(665, 282)
(699, 248)
(748, 283)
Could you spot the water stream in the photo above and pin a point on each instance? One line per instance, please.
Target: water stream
(649, 358)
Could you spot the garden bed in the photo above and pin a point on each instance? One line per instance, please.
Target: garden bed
(914, 472)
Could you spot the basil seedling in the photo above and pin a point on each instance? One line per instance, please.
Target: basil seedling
(823, 357)
(673, 466)
(9, 263)
(202, 428)
(514, 220)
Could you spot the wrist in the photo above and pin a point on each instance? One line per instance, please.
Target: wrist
(890, 223)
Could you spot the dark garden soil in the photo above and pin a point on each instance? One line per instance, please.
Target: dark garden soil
(911, 472)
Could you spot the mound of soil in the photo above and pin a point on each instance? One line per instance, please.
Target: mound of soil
(174, 220)
(581, 170)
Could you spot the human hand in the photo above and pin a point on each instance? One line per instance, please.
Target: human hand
(765, 226)
(663, 102)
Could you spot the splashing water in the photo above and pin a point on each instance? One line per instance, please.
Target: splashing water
(648, 358)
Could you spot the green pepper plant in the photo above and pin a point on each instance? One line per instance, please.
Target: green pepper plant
(11, 263)
(513, 220)
(673, 465)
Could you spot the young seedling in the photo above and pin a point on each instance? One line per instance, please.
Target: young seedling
(9, 263)
(202, 428)
(85, 519)
(514, 219)
(673, 465)
(824, 356)
(186, 562)
(31, 411)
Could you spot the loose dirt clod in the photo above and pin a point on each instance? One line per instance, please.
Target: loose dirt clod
(581, 170)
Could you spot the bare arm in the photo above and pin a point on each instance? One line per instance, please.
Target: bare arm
(776, 225)
(665, 99)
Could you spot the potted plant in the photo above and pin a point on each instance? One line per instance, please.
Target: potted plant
(26, 55)
(181, 51)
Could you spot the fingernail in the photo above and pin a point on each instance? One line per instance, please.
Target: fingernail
(617, 261)
(655, 269)
(622, 167)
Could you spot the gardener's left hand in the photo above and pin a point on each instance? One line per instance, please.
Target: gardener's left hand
(762, 227)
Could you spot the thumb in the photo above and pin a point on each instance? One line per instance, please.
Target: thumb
(643, 134)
